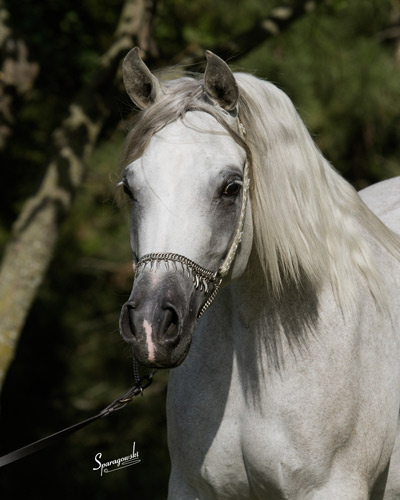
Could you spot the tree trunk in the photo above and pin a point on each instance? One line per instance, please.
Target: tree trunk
(27, 255)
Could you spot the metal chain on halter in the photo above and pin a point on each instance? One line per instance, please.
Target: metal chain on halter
(208, 281)
(201, 276)
(210, 299)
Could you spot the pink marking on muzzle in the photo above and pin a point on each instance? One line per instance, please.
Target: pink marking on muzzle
(150, 346)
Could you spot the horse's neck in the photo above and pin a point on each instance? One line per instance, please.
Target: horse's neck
(260, 322)
(249, 298)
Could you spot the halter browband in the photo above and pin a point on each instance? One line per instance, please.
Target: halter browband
(208, 281)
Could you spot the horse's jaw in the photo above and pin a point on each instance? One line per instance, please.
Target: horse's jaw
(159, 318)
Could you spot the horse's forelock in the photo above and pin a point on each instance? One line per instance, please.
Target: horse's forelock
(182, 95)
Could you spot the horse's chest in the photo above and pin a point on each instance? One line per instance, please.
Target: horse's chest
(246, 457)
(229, 451)
(244, 439)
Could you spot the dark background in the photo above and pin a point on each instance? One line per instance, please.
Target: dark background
(340, 64)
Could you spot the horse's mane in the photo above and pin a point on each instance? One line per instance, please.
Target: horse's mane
(309, 223)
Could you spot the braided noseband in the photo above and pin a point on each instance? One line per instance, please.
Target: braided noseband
(208, 281)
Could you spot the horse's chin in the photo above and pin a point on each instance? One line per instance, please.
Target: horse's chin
(163, 358)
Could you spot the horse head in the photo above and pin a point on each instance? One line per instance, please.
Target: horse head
(185, 172)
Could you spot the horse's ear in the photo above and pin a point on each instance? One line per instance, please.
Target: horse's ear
(219, 82)
(141, 85)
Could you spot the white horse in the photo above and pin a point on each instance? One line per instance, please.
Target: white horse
(291, 386)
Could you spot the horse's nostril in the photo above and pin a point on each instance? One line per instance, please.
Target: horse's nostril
(131, 321)
(170, 326)
(171, 319)
(127, 322)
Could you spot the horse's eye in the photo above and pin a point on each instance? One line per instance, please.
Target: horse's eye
(128, 192)
(232, 189)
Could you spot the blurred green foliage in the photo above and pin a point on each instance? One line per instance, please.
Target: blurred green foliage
(344, 79)
(206, 23)
(345, 84)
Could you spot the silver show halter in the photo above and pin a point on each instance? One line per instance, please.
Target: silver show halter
(208, 281)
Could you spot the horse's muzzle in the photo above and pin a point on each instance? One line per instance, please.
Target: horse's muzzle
(159, 318)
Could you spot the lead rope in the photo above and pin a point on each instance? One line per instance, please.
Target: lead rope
(136, 375)
(116, 405)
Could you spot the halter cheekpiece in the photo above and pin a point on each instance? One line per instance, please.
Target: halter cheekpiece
(207, 281)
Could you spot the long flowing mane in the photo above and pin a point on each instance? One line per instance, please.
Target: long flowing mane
(309, 223)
